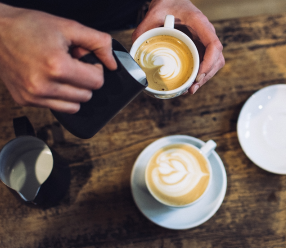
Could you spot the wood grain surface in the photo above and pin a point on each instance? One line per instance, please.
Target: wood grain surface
(98, 210)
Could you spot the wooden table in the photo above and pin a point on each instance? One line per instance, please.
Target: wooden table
(98, 209)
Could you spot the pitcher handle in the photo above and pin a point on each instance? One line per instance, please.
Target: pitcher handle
(22, 126)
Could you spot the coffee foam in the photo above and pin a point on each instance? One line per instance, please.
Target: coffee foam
(167, 62)
(177, 174)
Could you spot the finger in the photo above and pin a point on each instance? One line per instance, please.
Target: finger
(69, 70)
(55, 104)
(149, 22)
(210, 58)
(58, 105)
(61, 91)
(210, 41)
(193, 89)
(78, 52)
(93, 40)
(68, 102)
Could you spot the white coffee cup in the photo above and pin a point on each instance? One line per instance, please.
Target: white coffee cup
(168, 29)
(177, 196)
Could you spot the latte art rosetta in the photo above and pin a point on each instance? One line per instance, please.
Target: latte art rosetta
(177, 174)
(162, 63)
(167, 62)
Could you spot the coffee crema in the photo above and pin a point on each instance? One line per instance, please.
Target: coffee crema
(166, 60)
(177, 174)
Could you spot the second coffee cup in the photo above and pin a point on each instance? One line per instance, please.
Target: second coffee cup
(179, 174)
(169, 58)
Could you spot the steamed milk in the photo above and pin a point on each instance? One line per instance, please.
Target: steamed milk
(177, 175)
(167, 62)
(30, 170)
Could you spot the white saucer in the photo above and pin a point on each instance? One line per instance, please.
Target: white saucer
(182, 218)
(261, 128)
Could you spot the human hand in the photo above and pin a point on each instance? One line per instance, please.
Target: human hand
(39, 59)
(202, 32)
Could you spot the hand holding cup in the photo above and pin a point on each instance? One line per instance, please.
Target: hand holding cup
(202, 31)
(169, 58)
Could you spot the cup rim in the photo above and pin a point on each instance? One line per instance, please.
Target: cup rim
(191, 46)
(200, 197)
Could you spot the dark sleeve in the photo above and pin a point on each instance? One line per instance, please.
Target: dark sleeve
(103, 15)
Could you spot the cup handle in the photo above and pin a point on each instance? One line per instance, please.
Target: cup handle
(169, 21)
(208, 147)
(22, 126)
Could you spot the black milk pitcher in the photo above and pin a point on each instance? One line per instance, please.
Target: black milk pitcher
(120, 87)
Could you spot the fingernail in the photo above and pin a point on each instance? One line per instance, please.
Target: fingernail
(196, 87)
(200, 77)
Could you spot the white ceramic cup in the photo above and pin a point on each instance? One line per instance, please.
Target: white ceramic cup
(168, 29)
(205, 151)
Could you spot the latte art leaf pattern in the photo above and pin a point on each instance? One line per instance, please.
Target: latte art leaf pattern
(162, 63)
(167, 62)
(177, 172)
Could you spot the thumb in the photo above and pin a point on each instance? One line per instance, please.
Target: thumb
(148, 23)
(92, 40)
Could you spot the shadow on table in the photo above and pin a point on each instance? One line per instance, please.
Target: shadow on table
(55, 190)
